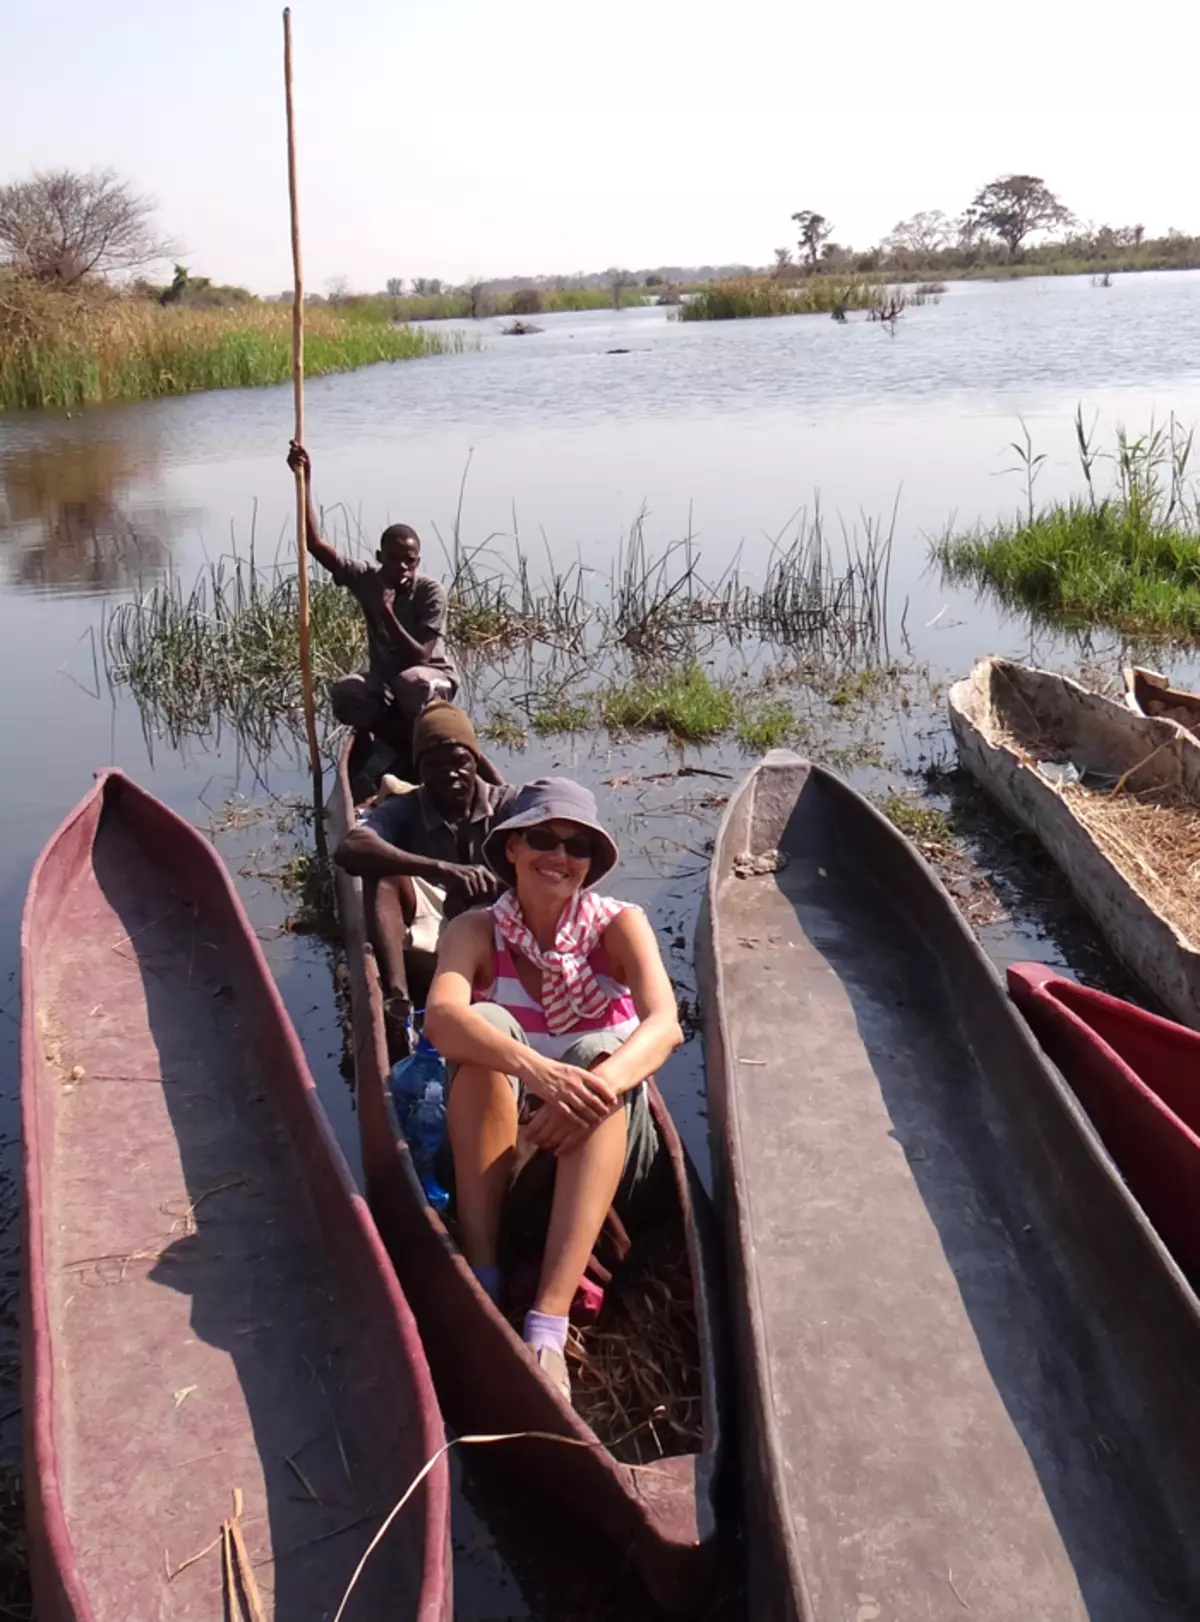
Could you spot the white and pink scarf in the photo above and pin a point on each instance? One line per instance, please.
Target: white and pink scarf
(571, 994)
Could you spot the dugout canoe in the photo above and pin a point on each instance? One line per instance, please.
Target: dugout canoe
(207, 1304)
(658, 1518)
(1148, 693)
(1010, 722)
(1138, 1077)
(966, 1361)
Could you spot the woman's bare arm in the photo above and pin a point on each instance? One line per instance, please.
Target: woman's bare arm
(465, 1037)
(637, 962)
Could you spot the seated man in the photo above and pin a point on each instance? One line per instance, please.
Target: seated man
(405, 614)
(420, 855)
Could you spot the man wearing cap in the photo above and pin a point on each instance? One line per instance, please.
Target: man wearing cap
(420, 854)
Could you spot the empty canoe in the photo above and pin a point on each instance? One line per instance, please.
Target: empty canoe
(208, 1308)
(660, 1516)
(1148, 693)
(966, 1362)
(1138, 1077)
(1115, 799)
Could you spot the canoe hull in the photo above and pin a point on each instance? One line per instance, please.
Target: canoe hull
(940, 1290)
(660, 1519)
(182, 1302)
(1115, 740)
(1138, 1077)
(1148, 693)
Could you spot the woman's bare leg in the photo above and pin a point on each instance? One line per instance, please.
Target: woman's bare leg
(482, 1120)
(584, 1185)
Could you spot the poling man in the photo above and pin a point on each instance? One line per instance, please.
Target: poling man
(405, 614)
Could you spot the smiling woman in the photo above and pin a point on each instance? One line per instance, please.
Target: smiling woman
(553, 1009)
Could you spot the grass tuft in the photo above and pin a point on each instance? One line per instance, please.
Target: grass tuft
(1129, 558)
(685, 703)
(766, 725)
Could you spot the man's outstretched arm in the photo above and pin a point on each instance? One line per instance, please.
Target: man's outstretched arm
(319, 547)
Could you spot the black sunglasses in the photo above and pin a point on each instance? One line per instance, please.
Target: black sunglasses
(577, 846)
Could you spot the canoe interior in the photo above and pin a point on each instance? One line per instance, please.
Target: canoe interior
(967, 1363)
(1125, 838)
(1147, 693)
(1138, 1077)
(211, 1309)
(661, 1517)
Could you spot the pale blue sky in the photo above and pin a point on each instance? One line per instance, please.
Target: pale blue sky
(480, 137)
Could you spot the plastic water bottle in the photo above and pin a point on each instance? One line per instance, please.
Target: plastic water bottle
(422, 1112)
(425, 1139)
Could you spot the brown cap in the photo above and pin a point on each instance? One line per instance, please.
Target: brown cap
(442, 722)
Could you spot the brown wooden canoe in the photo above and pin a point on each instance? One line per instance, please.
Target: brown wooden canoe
(207, 1306)
(966, 1363)
(660, 1518)
(1148, 693)
(1011, 721)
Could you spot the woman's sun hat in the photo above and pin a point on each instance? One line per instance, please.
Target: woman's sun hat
(552, 799)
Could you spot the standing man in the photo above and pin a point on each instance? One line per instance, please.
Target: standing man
(405, 614)
(420, 855)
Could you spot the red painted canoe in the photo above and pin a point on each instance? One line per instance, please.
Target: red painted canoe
(207, 1304)
(660, 1517)
(1138, 1077)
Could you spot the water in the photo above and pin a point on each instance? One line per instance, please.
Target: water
(724, 429)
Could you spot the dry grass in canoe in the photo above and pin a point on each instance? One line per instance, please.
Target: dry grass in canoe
(635, 1373)
(1153, 837)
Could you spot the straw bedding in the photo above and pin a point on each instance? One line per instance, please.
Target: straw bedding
(1151, 832)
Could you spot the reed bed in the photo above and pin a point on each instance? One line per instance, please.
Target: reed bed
(748, 297)
(221, 655)
(63, 350)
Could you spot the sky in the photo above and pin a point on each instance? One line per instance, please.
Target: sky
(476, 138)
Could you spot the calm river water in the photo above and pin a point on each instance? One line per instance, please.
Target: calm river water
(729, 429)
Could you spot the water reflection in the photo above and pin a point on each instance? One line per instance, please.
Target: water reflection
(66, 521)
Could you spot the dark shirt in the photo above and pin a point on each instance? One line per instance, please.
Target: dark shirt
(410, 822)
(422, 614)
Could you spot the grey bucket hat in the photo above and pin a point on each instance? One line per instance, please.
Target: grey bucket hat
(552, 799)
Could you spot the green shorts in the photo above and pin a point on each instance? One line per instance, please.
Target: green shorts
(643, 1146)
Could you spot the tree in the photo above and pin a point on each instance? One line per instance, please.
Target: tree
(395, 287)
(925, 233)
(337, 289)
(783, 261)
(1015, 206)
(618, 281)
(814, 229)
(63, 226)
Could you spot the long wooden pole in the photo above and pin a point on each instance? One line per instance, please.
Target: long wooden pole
(306, 673)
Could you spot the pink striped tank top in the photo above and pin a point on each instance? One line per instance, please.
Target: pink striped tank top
(507, 992)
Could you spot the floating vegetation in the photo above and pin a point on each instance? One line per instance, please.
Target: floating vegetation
(747, 297)
(1128, 557)
(687, 704)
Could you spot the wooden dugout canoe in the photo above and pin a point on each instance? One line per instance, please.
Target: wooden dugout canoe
(1138, 1077)
(1008, 718)
(205, 1295)
(659, 1518)
(966, 1363)
(1148, 693)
